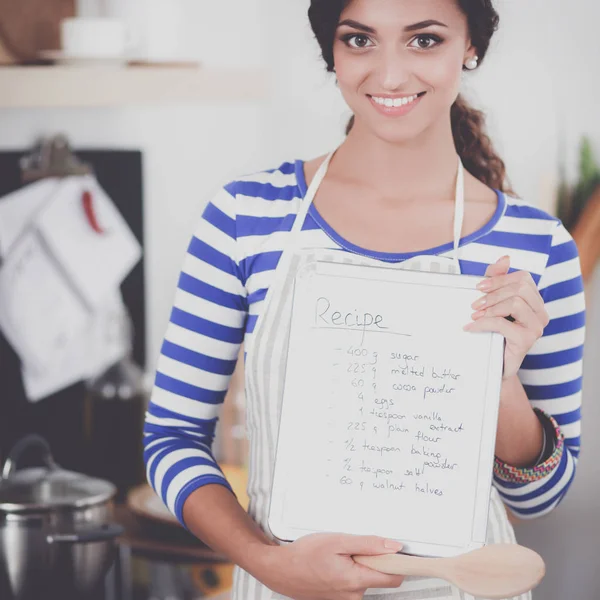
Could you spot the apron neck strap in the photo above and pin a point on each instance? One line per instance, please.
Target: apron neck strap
(459, 211)
(315, 184)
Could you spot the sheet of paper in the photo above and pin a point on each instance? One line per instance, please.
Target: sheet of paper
(102, 342)
(40, 312)
(386, 425)
(95, 262)
(92, 340)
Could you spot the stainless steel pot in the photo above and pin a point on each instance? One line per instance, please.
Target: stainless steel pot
(56, 535)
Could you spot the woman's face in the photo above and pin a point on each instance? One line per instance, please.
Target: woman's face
(399, 63)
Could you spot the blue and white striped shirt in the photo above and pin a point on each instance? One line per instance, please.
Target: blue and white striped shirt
(228, 268)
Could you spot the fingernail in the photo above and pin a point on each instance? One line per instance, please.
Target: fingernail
(478, 314)
(484, 285)
(481, 302)
(467, 326)
(392, 545)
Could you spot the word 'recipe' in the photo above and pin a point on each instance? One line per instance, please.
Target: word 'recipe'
(326, 316)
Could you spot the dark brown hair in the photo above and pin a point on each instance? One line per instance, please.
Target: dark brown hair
(468, 124)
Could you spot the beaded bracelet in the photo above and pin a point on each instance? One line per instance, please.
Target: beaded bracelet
(511, 474)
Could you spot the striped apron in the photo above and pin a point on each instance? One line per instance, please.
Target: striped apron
(265, 373)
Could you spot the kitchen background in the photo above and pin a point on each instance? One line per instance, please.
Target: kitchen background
(226, 88)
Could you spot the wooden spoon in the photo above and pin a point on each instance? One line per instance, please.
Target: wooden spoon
(496, 571)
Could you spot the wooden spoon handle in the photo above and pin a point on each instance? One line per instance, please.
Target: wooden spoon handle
(401, 564)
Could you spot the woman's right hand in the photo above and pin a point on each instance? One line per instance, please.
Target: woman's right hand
(320, 567)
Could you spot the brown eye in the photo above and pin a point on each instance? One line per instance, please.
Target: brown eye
(358, 41)
(426, 42)
(361, 41)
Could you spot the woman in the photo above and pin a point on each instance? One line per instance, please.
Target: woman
(391, 193)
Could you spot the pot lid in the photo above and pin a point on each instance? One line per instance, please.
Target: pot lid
(49, 487)
(46, 489)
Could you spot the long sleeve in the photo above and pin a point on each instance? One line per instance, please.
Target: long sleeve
(198, 356)
(551, 375)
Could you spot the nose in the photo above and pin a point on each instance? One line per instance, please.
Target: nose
(393, 70)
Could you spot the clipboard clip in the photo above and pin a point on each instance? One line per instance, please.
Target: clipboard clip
(52, 157)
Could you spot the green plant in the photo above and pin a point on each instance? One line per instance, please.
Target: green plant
(572, 200)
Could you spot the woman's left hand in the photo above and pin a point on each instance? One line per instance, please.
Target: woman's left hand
(510, 295)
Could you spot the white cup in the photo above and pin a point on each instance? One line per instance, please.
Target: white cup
(94, 37)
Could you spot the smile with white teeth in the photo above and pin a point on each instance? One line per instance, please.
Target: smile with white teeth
(395, 102)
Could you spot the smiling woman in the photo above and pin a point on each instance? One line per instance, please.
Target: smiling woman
(416, 184)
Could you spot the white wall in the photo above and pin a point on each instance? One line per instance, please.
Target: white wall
(540, 87)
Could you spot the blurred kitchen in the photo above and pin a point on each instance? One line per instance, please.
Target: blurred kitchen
(125, 116)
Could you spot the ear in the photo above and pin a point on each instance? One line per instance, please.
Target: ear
(470, 50)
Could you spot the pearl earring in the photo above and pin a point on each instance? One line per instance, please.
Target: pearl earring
(472, 63)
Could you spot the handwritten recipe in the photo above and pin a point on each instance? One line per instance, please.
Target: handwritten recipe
(383, 386)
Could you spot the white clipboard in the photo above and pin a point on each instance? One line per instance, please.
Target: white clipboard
(389, 413)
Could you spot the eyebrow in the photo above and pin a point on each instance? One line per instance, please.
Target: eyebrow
(408, 28)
